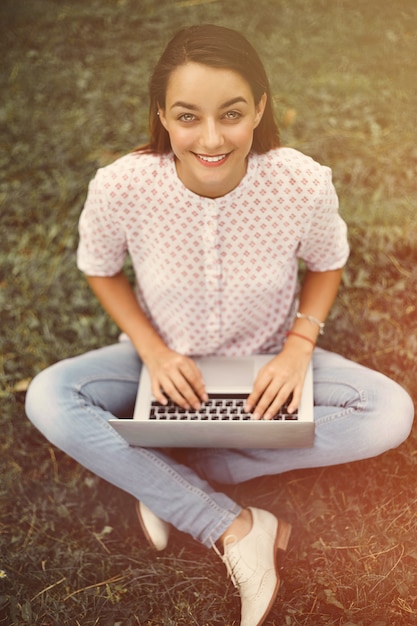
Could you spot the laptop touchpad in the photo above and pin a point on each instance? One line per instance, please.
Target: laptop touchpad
(224, 372)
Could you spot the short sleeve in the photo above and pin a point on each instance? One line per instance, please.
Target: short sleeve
(102, 246)
(325, 246)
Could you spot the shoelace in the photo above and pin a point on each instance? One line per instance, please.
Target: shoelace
(227, 560)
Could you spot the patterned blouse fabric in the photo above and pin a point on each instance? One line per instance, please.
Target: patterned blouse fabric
(215, 276)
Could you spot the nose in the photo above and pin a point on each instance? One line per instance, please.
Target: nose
(211, 135)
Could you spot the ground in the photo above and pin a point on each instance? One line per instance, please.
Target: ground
(74, 97)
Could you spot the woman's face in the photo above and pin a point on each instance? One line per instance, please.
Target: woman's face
(210, 115)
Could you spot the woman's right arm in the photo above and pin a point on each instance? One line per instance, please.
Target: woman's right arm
(171, 373)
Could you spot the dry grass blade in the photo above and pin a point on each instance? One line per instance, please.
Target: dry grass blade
(114, 579)
(48, 588)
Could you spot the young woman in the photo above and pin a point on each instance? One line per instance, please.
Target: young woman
(215, 216)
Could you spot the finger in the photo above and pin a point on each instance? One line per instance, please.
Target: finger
(163, 388)
(176, 389)
(158, 393)
(261, 383)
(270, 402)
(181, 380)
(275, 406)
(193, 375)
(282, 397)
(181, 391)
(295, 401)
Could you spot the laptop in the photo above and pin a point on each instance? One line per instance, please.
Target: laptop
(221, 422)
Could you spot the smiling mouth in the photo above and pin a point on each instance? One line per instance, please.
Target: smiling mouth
(212, 161)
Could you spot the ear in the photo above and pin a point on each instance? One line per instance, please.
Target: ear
(260, 108)
(161, 115)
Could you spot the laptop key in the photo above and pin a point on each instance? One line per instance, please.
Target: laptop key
(216, 408)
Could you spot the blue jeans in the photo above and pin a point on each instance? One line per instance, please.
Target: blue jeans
(359, 413)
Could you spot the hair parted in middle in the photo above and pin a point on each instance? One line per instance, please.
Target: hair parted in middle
(217, 47)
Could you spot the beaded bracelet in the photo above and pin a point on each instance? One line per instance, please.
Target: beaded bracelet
(313, 320)
(313, 343)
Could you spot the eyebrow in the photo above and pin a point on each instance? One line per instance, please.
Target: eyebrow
(193, 107)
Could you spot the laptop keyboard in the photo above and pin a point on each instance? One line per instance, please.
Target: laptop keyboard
(217, 408)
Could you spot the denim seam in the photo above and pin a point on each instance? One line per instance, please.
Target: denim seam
(78, 394)
(204, 497)
(340, 414)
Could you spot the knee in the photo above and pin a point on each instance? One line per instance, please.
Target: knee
(43, 399)
(397, 409)
(405, 411)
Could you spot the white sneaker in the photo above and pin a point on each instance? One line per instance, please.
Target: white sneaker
(155, 530)
(251, 564)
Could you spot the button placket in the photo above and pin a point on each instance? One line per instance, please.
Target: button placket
(212, 273)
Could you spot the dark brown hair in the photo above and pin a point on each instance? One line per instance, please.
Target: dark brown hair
(216, 47)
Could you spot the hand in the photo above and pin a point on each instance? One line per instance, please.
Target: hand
(276, 381)
(177, 377)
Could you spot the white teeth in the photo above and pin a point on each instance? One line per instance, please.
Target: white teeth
(212, 159)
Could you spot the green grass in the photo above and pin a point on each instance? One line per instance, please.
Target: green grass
(73, 83)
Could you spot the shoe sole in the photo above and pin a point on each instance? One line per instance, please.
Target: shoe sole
(280, 547)
(143, 527)
(283, 536)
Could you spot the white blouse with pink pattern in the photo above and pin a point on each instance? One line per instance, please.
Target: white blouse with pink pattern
(215, 276)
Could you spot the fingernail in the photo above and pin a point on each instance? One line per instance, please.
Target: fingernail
(247, 407)
(256, 416)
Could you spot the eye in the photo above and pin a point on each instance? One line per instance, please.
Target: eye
(186, 117)
(232, 115)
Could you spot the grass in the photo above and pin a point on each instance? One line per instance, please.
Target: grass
(74, 78)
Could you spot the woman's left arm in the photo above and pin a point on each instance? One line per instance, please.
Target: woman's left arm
(284, 374)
